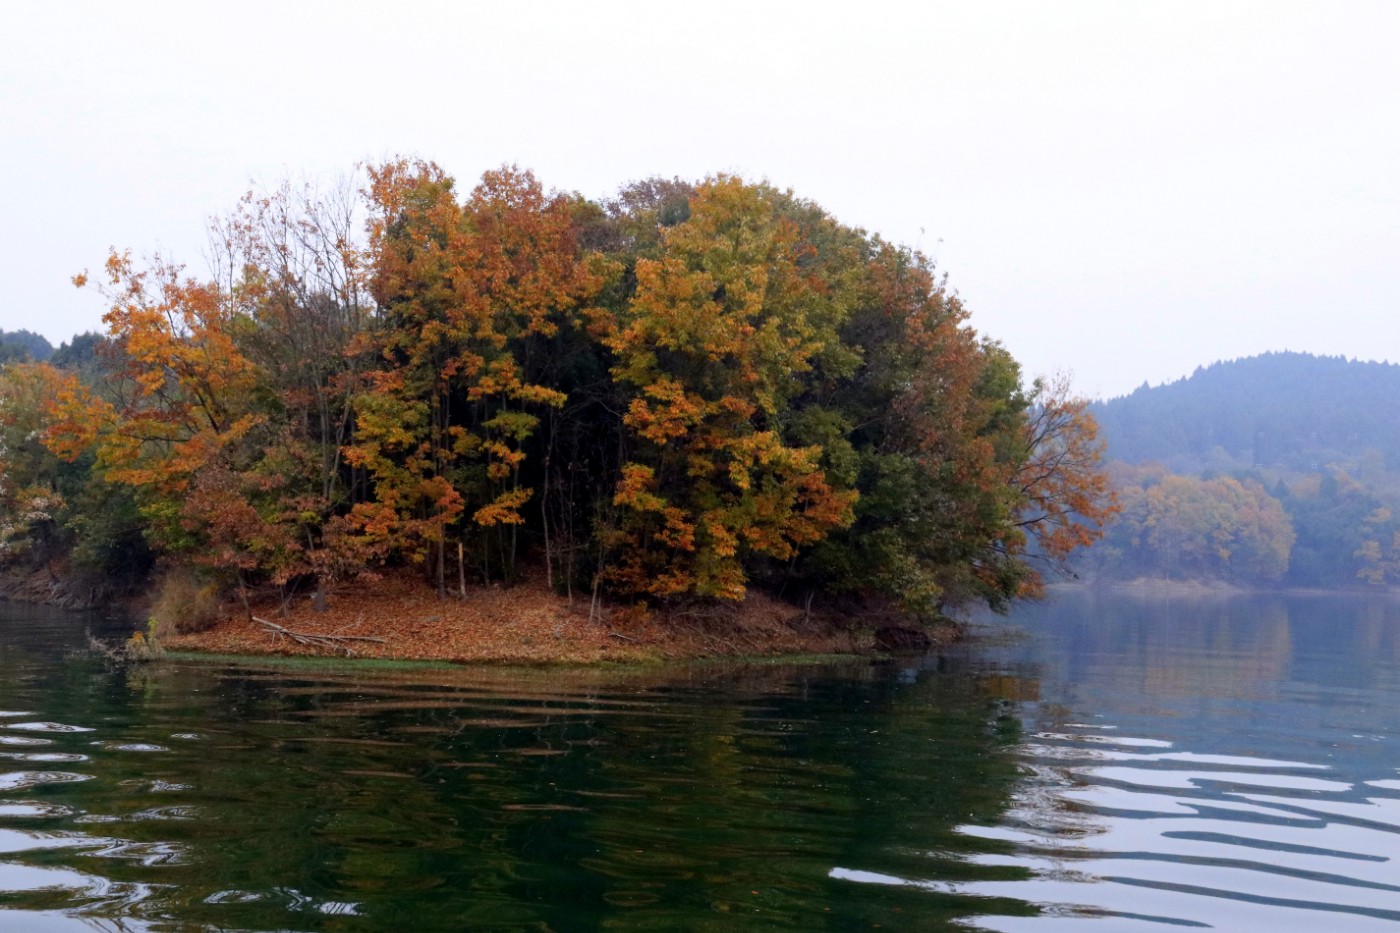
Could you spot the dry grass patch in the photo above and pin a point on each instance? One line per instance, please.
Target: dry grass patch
(529, 624)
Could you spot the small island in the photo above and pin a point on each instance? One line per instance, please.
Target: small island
(518, 424)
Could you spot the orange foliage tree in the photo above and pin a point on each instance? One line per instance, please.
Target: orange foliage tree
(1189, 527)
(227, 400)
(1067, 497)
(177, 406)
(469, 294)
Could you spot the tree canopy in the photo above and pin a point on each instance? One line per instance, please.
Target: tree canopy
(681, 393)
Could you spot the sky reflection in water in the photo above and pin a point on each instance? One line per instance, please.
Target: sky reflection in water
(1222, 762)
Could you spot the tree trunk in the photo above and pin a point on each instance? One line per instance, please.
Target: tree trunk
(461, 572)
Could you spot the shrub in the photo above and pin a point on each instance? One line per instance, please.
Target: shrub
(183, 604)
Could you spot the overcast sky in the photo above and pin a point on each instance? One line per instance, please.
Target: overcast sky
(1120, 190)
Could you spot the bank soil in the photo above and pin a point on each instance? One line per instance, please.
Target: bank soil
(528, 624)
(53, 584)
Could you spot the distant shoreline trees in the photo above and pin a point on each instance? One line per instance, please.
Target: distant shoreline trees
(681, 393)
(1276, 470)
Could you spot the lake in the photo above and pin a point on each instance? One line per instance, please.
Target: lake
(1097, 762)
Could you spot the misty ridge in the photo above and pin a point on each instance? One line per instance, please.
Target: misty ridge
(24, 345)
(1276, 470)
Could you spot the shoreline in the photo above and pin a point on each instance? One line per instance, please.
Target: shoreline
(1162, 586)
(528, 624)
(397, 618)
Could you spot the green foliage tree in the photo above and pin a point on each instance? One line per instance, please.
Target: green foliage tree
(52, 509)
(81, 353)
(31, 506)
(1335, 517)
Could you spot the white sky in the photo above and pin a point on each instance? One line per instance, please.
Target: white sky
(1123, 190)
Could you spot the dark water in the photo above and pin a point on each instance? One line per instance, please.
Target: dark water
(1128, 765)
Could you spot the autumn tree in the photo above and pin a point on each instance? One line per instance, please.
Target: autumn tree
(712, 345)
(680, 393)
(1187, 527)
(969, 482)
(292, 261)
(178, 402)
(904, 414)
(471, 295)
(32, 505)
(227, 402)
(1379, 553)
(1067, 499)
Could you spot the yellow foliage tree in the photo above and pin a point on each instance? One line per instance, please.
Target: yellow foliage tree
(713, 343)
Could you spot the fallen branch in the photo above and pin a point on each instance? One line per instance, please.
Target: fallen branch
(338, 643)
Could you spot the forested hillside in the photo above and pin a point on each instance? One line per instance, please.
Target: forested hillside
(1277, 469)
(24, 344)
(1289, 411)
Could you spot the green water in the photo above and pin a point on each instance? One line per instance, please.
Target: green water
(1121, 764)
(237, 796)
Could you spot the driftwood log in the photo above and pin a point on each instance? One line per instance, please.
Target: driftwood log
(337, 643)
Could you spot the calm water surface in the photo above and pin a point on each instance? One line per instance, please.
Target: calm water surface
(1127, 764)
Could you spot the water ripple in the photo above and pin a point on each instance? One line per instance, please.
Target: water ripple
(17, 780)
(132, 747)
(1097, 819)
(23, 809)
(51, 757)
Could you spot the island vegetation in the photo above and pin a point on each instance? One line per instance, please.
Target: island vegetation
(672, 400)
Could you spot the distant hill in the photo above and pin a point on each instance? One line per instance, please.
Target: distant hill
(1287, 411)
(24, 344)
(1281, 469)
